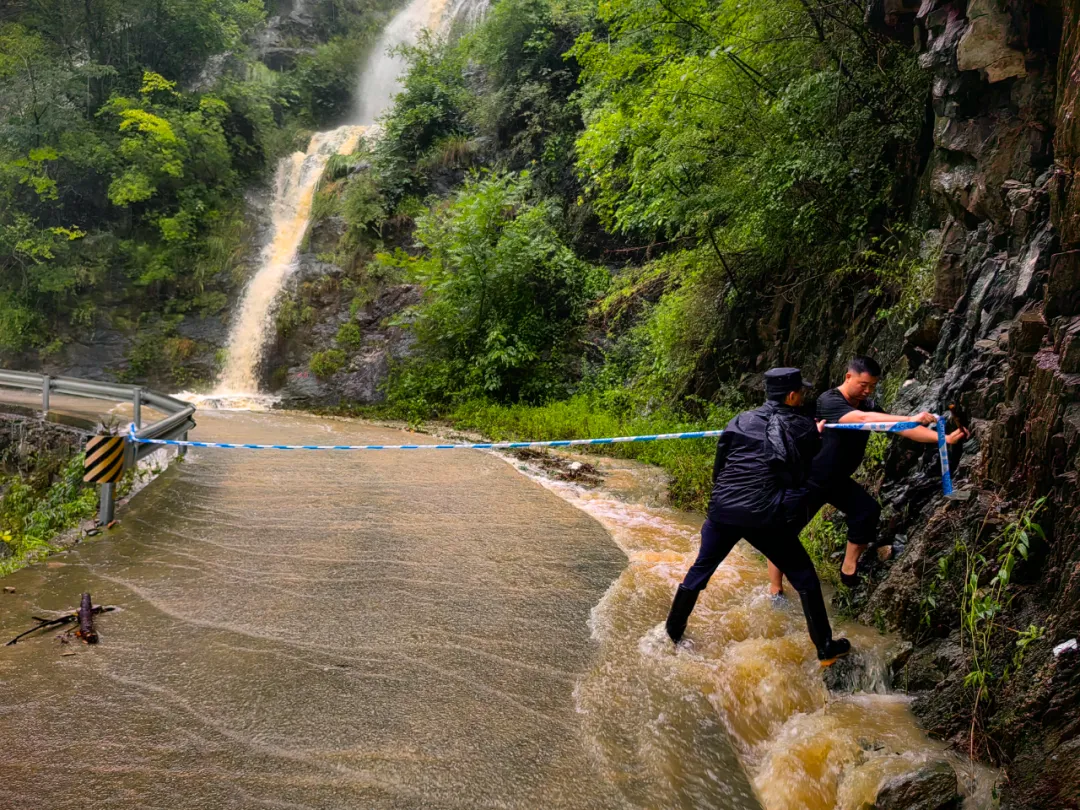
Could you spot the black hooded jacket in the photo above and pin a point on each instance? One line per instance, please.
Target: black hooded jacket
(762, 464)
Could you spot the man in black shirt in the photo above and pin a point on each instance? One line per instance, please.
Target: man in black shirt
(762, 467)
(841, 454)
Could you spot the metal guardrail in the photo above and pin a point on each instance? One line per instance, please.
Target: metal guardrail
(175, 425)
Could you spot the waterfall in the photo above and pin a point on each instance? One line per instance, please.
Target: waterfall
(297, 179)
(295, 183)
(380, 79)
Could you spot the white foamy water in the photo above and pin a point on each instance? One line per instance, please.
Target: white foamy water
(380, 79)
(294, 189)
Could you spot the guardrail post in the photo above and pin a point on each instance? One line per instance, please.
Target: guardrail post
(107, 508)
(136, 402)
(46, 385)
(103, 464)
(181, 451)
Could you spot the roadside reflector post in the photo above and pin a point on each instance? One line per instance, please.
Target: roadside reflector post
(136, 402)
(107, 507)
(46, 385)
(103, 465)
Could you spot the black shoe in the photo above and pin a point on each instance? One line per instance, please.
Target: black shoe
(835, 648)
(681, 608)
(850, 580)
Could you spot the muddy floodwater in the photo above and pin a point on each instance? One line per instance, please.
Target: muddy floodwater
(420, 630)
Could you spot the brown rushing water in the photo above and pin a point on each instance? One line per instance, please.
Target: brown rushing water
(749, 669)
(406, 630)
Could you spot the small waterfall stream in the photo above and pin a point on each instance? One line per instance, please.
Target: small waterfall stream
(296, 182)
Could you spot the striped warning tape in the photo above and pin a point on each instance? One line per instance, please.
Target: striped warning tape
(877, 427)
(104, 461)
(881, 427)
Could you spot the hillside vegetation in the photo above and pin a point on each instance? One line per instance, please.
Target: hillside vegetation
(596, 199)
(128, 135)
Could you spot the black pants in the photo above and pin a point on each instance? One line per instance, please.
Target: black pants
(780, 545)
(860, 508)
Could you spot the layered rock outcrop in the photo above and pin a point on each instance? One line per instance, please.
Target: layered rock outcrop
(999, 336)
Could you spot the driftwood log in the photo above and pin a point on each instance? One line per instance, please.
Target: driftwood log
(84, 616)
(86, 629)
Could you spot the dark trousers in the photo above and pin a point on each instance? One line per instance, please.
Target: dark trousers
(780, 545)
(861, 510)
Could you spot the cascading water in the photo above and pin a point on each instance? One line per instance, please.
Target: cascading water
(297, 179)
(380, 80)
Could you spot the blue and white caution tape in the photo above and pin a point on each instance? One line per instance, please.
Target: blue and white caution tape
(886, 427)
(943, 454)
(877, 427)
(700, 434)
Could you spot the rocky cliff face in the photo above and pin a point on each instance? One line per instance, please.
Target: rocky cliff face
(1000, 338)
(336, 335)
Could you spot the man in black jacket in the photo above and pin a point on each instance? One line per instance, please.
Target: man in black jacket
(762, 466)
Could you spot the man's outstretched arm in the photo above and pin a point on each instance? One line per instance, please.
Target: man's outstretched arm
(922, 434)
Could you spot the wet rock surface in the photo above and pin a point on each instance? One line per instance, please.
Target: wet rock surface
(932, 787)
(325, 297)
(999, 339)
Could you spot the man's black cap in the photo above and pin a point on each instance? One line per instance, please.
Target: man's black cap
(782, 381)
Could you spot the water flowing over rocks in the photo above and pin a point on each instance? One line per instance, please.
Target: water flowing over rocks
(1000, 337)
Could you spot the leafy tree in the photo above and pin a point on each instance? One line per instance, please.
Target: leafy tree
(770, 131)
(505, 298)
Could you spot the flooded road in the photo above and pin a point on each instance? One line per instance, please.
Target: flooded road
(310, 630)
(426, 630)
(748, 680)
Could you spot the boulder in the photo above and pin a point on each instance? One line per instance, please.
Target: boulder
(932, 787)
(1068, 346)
(983, 45)
(1063, 287)
(323, 236)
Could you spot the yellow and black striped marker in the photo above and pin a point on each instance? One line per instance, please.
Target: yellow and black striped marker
(104, 462)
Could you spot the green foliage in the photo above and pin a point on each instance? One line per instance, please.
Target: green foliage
(363, 208)
(327, 363)
(292, 314)
(32, 515)
(688, 463)
(505, 299)
(823, 538)
(349, 336)
(120, 190)
(429, 107)
(160, 353)
(769, 130)
(983, 603)
(935, 589)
